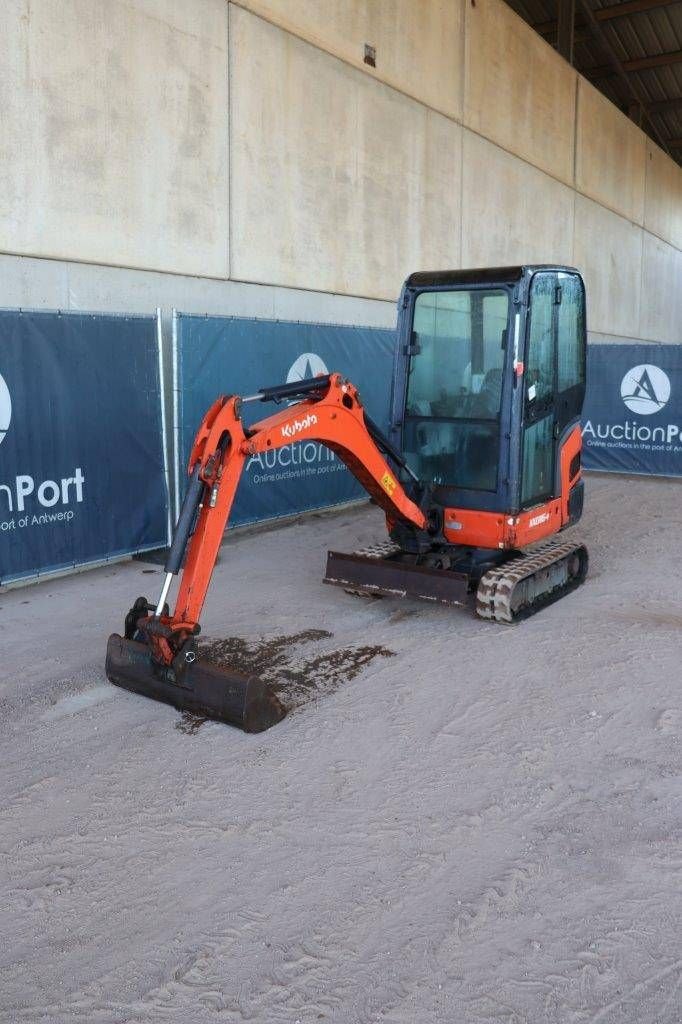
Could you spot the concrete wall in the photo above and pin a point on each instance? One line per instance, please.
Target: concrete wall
(518, 93)
(30, 283)
(419, 45)
(663, 196)
(610, 155)
(321, 178)
(511, 211)
(608, 250)
(249, 142)
(114, 132)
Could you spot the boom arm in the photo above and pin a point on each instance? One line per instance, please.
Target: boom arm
(331, 413)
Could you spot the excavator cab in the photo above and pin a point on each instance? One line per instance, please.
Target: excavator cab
(488, 390)
(481, 467)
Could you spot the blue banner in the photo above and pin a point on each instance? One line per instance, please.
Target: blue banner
(220, 355)
(82, 474)
(632, 418)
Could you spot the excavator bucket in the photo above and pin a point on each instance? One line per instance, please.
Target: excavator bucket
(197, 686)
(149, 661)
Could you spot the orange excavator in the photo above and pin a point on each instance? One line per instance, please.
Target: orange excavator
(479, 471)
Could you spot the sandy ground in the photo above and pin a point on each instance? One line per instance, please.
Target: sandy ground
(459, 822)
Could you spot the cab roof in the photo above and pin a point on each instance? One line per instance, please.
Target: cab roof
(482, 275)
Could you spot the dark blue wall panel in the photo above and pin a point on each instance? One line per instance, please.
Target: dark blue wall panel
(632, 419)
(81, 454)
(219, 355)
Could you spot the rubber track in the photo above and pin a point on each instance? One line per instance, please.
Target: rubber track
(496, 588)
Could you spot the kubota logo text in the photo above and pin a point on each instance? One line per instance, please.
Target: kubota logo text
(292, 429)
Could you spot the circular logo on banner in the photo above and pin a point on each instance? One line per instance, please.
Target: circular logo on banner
(645, 389)
(306, 366)
(5, 408)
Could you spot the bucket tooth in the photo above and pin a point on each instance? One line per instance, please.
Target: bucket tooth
(218, 693)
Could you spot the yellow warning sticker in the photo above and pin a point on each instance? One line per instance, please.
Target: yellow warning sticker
(388, 483)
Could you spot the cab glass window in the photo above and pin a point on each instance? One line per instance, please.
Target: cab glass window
(454, 388)
(456, 368)
(571, 333)
(540, 356)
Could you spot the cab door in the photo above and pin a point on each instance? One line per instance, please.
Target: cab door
(571, 343)
(554, 379)
(539, 398)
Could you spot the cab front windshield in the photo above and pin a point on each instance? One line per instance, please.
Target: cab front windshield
(454, 387)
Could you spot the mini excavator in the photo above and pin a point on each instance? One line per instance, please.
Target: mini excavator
(479, 471)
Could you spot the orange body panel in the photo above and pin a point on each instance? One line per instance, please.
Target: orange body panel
(496, 530)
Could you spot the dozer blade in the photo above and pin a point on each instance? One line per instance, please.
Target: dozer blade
(217, 693)
(378, 572)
